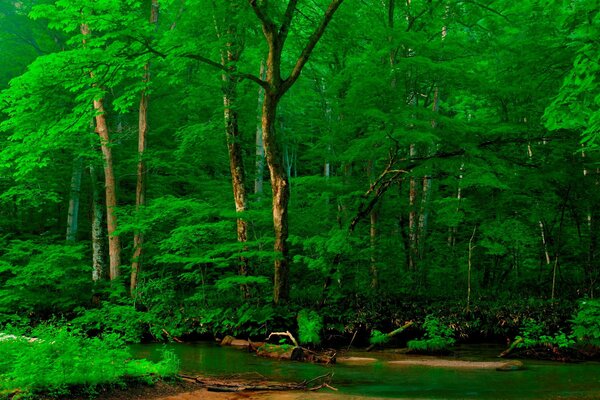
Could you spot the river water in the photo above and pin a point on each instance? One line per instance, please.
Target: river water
(541, 380)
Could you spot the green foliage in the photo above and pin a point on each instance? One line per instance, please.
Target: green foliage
(378, 337)
(586, 324)
(310, 326)
(438, 337)
(61, 359)
(120, 319)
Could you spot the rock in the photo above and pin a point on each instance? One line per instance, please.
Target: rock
(511, 366)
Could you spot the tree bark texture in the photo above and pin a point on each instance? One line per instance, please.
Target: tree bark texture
(260, 150)
(97, 237)
(110, 186)
(281, 194)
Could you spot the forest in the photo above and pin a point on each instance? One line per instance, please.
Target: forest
(180, 170)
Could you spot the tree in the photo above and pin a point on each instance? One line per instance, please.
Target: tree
(275, 87)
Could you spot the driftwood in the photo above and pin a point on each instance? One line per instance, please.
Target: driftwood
(286, 333)
(175, 339)
(236, 384)
(287, 352)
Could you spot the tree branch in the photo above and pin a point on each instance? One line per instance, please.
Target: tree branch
(267, 25)
(207, 61)
(241, 75)
(488, 8)
(287, 20)
(312, 42)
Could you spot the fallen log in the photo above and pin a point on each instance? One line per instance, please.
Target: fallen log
(512, 346)
(390, 335)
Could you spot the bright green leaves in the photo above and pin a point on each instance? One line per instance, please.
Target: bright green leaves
(577, 106)
(61, 358)
(32, 271)
(310, 326)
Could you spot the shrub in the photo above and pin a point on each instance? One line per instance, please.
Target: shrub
(532, 335)
(586, 324)
(437, 338)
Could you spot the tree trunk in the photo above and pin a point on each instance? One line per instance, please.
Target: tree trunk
(260, 150)
(114, 247)
(140, 189)
(73, 213)
(281, 194)
(412, 222)
(97, 238)
(373, 237)
(236, 164)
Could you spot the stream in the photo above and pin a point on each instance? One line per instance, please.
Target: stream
(541, 380)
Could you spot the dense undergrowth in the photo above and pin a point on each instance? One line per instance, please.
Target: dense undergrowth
(55, 362)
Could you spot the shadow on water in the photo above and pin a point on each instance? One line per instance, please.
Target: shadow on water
(541, 380)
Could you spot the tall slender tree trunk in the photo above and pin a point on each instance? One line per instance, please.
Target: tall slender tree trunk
(140, 189)
(97, 237)
(236, 164)
(73, 213)
(114, 246)
(229, 56)
(260, 149)
(412, 220)
(373, 242)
